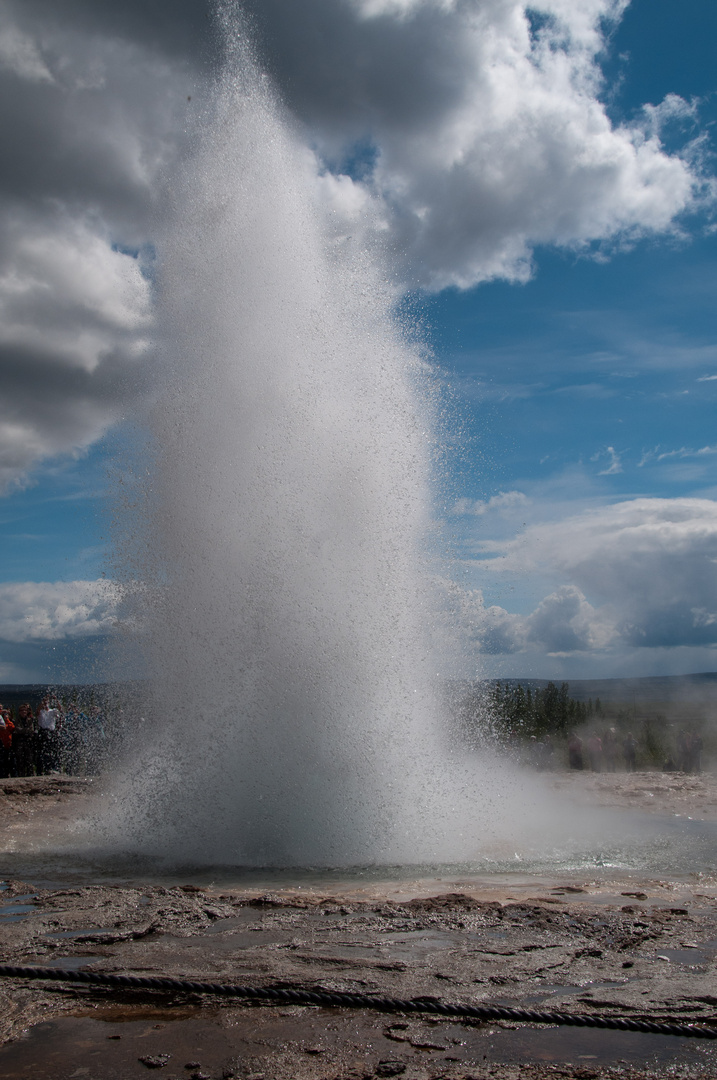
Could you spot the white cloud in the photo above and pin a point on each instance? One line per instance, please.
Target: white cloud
(614, 466)
(489, 138)
(480, 135)
(92, 120)
(20, 54)
(682, 452)
(502, 502)
(89, 294)
(640, 573)
(565, 622)
(490, 629)
(562, 623)
(74, 313)
(53, 611)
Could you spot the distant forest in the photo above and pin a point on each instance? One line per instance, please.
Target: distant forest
(513, 714)
(518, 711)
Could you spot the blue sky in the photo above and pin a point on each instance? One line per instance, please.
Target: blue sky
(591, 384)
(586, 393)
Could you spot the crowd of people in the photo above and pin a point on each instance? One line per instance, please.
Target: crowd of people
(610, 751)
(607, 751)
(602, 753)
(50, 739)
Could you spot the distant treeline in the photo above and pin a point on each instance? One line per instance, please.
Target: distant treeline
(513, 711)
(513, 714)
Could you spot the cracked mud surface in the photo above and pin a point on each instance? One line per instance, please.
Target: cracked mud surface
(645, 948)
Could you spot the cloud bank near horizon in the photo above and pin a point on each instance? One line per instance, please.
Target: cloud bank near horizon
(459, 134)
(52, 611)
(638, 574)
(56, 632)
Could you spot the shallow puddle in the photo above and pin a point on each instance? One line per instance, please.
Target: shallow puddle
(110, 1042)
(692, 956)
(14, 912)
(17, 908)
(87, 931)
(69, 963)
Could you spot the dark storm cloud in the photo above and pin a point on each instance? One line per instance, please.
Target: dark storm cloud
(174, 28)
(375, 74)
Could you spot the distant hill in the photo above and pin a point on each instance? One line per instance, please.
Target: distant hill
(699, 688)
(14, 694)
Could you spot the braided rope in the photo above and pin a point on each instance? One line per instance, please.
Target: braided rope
(363, 1001)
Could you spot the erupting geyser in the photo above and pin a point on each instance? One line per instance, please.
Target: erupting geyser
(295, 716)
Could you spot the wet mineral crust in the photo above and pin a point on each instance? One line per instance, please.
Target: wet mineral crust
(629, 947)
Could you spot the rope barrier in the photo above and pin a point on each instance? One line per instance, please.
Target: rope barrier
(690, 1029)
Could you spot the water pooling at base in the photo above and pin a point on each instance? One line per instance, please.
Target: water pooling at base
(619, 846)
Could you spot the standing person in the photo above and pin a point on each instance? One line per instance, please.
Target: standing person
(610, 750)
(629, 749)
(695, 760)
(595, 752)
(48, 732)
(6, 729)
(24, 741)
(575, 751)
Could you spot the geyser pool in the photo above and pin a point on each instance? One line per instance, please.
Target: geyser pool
(286, 596)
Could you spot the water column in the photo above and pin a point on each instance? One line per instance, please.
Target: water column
(286, 605)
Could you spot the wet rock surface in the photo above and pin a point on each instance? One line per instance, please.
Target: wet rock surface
(628, 946)
(576, 951)
(682, 794)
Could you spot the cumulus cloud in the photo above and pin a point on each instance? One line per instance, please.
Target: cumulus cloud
(565, 622)
(470, 625)
(92, 120)
(502, 502)
(638, 573)
(32, 611)
(460, 134)
(485, 124)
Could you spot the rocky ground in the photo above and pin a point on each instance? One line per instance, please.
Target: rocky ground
(609, 946)
(655, 792)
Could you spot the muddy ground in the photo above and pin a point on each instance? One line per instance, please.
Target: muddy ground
(588, 946)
